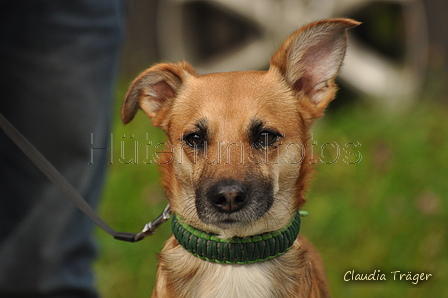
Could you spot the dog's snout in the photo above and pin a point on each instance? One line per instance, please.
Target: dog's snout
(228, 202)
(228, 197)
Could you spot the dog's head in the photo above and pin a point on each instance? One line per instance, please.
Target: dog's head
(240, 160)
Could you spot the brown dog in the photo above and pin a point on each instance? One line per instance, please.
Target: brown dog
(240, 167)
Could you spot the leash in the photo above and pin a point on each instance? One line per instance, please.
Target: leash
(54, 176)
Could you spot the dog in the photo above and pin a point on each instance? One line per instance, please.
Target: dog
(240, 166)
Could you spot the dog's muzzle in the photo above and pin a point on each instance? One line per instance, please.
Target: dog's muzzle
(228, 202)
(228, 196)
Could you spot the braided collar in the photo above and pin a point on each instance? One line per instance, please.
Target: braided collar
(235, 250)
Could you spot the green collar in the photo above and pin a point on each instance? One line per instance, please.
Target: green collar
(246, 250)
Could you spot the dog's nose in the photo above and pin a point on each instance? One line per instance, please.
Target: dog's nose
(228, 197)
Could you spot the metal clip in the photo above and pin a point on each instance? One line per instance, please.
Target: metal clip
(150, 227)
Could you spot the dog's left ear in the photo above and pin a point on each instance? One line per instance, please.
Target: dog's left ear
(310, 59)
(154, 91)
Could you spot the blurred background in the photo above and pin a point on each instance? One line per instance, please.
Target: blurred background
(386, 211)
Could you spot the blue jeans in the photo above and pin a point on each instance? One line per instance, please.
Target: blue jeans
(58, 60)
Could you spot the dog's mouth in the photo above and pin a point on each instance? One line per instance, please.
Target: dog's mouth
(229, 204)
(227, 221)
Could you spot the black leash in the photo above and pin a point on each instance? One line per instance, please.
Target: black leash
(54, 176)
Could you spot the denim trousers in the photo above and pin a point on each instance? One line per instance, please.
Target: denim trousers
(58, 63)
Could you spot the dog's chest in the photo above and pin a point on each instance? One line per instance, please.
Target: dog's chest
(202, 279)
(252, 280)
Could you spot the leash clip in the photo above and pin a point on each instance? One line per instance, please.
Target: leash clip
(148, 229)
(152, 226)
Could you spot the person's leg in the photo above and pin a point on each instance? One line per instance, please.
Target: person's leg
(58, 62)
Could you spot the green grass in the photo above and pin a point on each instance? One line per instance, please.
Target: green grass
(387, 212)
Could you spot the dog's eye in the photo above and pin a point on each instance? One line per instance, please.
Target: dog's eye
(267, 138)
(194, 140)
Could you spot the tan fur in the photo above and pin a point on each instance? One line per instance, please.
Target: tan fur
(230, 111)
(299, 274)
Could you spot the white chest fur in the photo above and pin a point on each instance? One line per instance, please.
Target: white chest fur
(202, 279)
(252, 280)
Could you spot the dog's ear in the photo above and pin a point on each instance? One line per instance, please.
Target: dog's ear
(310, 59)
(154, 90)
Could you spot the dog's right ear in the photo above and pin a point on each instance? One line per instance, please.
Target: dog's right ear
(154, 90)
(310, 59)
